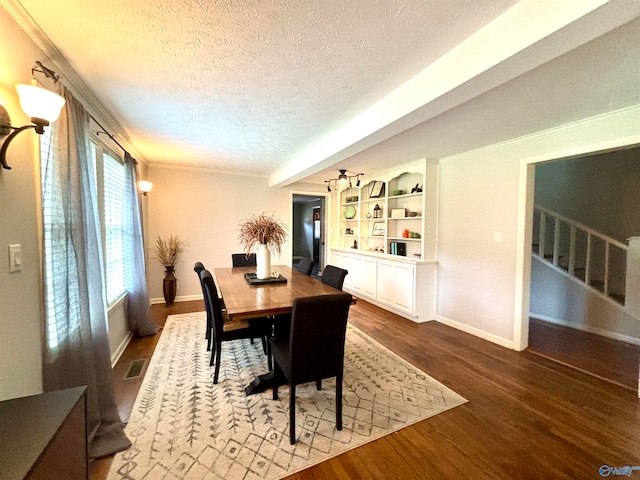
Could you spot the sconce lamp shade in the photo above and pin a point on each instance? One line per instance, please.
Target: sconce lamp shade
(145, 186)
(39, 103)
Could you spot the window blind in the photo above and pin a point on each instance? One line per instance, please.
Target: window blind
(62, 315)
(113, 204)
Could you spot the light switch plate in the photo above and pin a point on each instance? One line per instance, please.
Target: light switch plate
(15, 258)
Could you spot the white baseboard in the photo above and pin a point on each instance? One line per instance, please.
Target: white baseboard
(115, 356)
(586, 328)
(476, 332)
(183, 298)
(387, 307)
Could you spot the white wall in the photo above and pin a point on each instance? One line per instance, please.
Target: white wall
(562, 300)
(480, 282)
(20, 296)
(204, 209)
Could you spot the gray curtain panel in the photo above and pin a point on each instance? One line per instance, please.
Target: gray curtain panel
(76, 350)
(138, 316)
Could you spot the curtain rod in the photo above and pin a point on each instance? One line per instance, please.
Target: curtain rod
(104, 131)
(48, 73)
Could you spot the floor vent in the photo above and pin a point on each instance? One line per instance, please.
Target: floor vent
(136, 368)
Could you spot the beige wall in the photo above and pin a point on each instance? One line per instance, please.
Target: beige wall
(20, 298)
(482, 285)
(20, 292)
(204, 209)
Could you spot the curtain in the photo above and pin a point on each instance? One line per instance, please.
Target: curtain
(76, 347)
(134, 266)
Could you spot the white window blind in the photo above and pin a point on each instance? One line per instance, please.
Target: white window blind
(62, 315)
(113, 200)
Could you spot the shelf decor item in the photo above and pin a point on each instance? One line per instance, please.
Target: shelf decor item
(264, 235)
(378, 229)
(349, 212)
(398, 212)
(376, 190)
(377, 211)
(167, 252)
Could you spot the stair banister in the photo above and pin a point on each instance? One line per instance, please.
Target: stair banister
(633, 269)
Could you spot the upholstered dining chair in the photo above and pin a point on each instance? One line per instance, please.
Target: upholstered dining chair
(334, 276)
(314, 349)
(242, 260)
(198, 267)
(222, 332)
(305, 265)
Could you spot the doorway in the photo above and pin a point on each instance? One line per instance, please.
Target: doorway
(575, 319)
(308, 229)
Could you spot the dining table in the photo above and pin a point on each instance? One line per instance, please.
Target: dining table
(244, 301)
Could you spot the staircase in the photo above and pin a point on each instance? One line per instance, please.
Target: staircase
(594, 259)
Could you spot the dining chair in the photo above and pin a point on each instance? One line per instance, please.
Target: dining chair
(314, 349)
(242, 260)
(334, 276)
(305, 265)
(225, 332)
(199, 267)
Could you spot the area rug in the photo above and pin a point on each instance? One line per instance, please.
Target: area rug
(184, 427)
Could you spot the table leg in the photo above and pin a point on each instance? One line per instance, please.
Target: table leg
(260, 384)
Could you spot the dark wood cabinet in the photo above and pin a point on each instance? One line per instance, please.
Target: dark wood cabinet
(44, 436)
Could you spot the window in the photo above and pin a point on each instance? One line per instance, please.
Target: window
(113, 184)
(62, 316)
(59, 257)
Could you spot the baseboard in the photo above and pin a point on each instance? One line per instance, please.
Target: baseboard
(115, 356)
(586, 328)
(387, 307)
(183, 298)
(476, 332)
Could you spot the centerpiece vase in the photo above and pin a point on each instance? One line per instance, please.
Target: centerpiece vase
(169, 286)
(263, 262)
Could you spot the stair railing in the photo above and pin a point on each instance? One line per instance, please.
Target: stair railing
(609, 258)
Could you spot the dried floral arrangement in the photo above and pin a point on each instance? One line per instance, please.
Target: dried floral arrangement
(168, 251)
(262, 230)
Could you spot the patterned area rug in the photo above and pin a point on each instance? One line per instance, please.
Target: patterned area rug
(184, 427)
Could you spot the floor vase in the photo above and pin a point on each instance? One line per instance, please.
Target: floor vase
(169, 286)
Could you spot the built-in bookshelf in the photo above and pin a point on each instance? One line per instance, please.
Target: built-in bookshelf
(393, 214)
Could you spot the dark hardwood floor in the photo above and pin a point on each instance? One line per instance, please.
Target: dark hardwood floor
(608, 359)
(527, 417)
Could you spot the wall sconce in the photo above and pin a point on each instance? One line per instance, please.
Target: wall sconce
(145, 187)
(342, 180)
(41, 105)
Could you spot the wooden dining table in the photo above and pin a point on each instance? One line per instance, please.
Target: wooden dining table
(244, 301)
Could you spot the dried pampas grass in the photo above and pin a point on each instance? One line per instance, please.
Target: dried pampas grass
(262, 230)
(168, 251)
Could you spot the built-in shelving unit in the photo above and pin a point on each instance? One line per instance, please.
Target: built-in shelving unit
(387, 239)
(393, 215)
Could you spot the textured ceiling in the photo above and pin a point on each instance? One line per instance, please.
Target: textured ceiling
(295, 90)
(246, 85)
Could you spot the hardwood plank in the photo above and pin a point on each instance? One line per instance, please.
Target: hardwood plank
(606, 358)
(527, 417)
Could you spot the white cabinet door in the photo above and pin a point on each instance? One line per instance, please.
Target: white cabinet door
(363, 281)
(344, 261)
(396, 285)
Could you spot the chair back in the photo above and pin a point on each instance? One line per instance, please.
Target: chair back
(334, 276)
(316, 339)
(305, 265)
(212, 302)
(242, 260)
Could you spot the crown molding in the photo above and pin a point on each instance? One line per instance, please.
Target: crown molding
(70, 77)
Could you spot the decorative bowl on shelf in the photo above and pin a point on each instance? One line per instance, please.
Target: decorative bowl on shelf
(412, 214)
(349, 212)
(398, 192)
